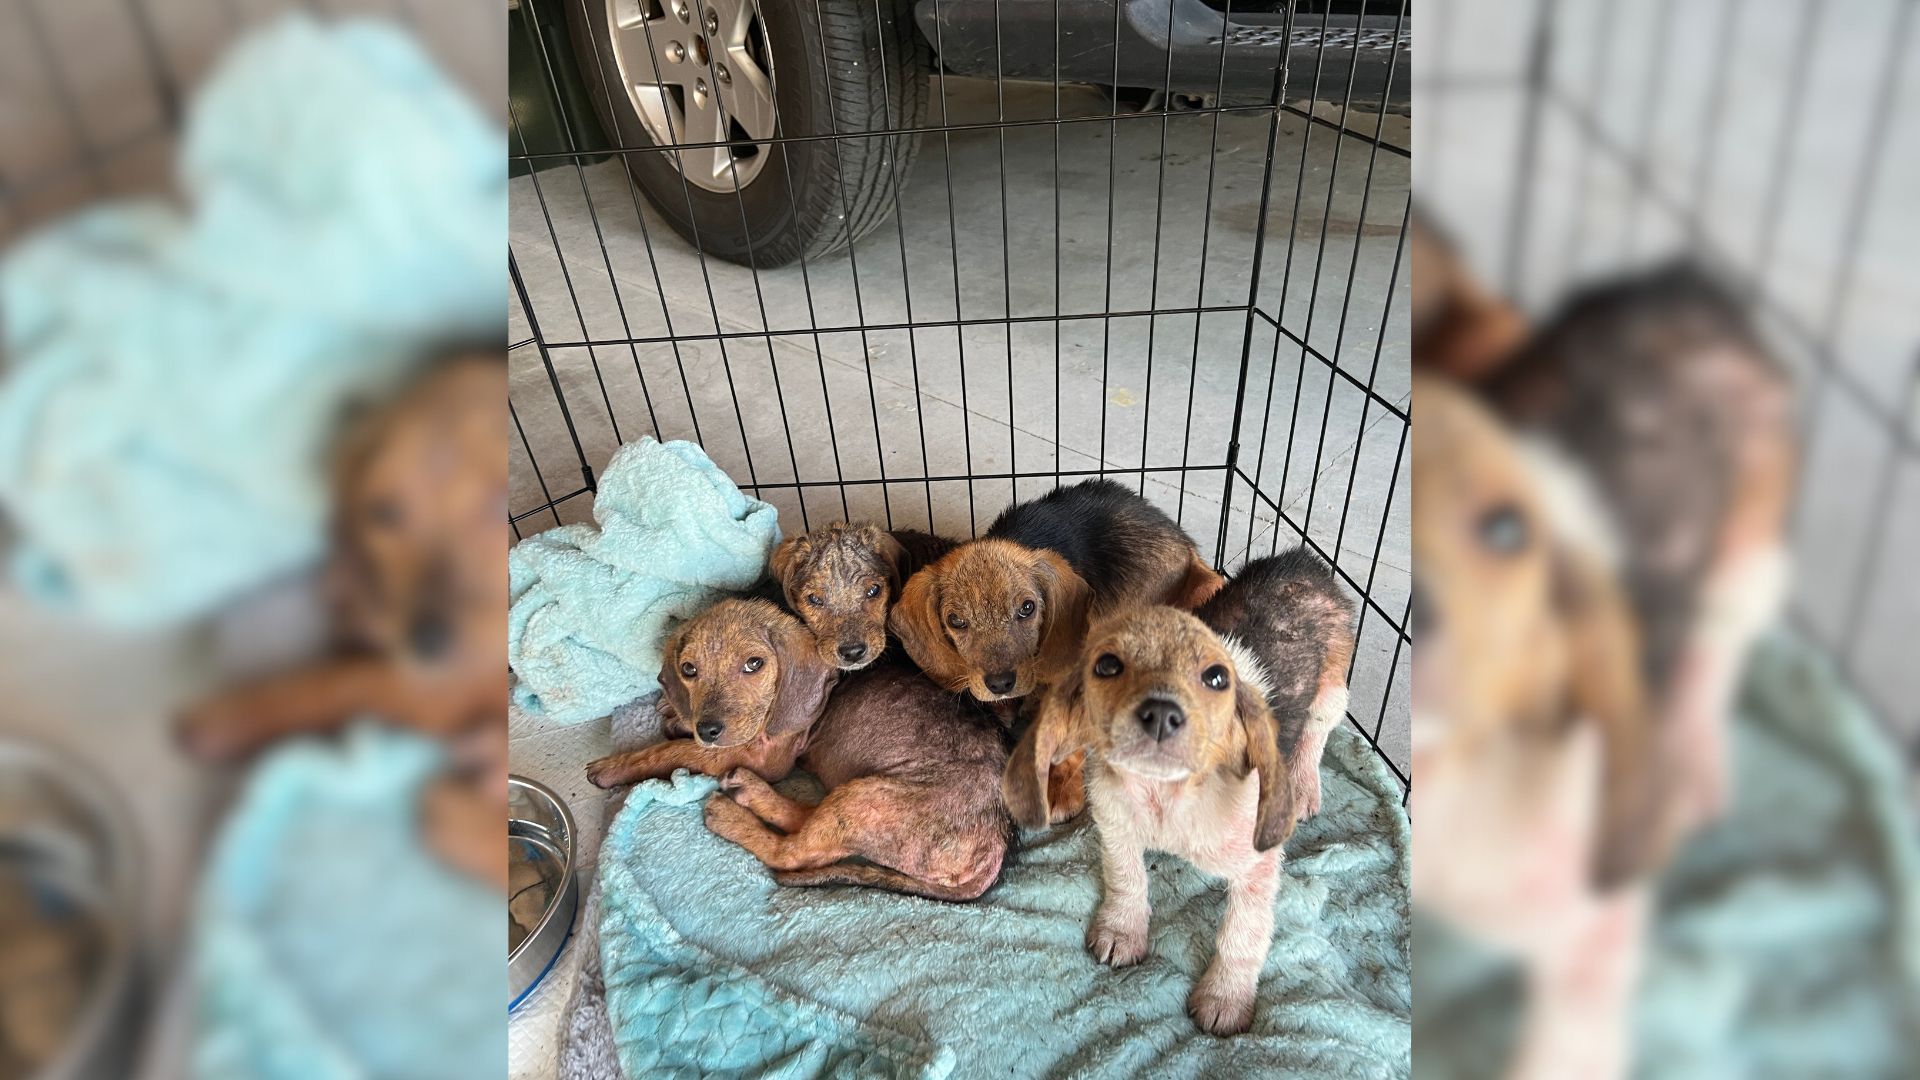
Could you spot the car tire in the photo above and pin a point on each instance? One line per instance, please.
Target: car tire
(836, 66)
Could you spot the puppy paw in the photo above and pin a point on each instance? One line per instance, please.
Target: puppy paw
(607, 772)
(729, 820)
(1217, 1012)
(218, 730)
(1306, 794)
(1117, 942)
(738, 779)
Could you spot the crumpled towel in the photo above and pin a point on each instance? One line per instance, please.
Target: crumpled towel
(328, 943)
(175, 379)
(1786, 942)
(592, 602)
(712, 969)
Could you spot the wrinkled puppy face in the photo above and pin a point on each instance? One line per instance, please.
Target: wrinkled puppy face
(1161, 696)
(421, 523)
(841, 579)
(993, 618)
(740, 670)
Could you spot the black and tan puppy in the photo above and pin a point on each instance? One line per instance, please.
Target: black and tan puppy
(913, 792)
(1658, 393)
(1292, 615)
(843, 579)
(1184, 757)
(743, 683)
(1001, 615)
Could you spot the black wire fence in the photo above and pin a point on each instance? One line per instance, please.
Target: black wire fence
(1027, 243)
(1771, 141)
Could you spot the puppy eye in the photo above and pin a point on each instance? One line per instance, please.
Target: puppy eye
(688, 670)
(1026, 610)
(1107, 666)
(814, 599)
(1503, 530)
(753, 664)
(873, 591)
(956, 622)
(1216, 677)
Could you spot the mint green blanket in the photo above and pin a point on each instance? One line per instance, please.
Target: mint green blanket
(1787, 943)
(711, 968)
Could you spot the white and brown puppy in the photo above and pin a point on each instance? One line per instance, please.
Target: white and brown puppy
(1544, 797)
(1183, 757)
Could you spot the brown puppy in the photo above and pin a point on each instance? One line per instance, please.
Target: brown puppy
(1001, 615)
(912, 774)
(1536, 753)
(1184, 758)
(420, 532)
(1295, 619)
(842, 579)
(742, 685)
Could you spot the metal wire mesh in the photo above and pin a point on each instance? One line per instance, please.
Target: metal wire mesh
(1198, 292)
(1763, 139)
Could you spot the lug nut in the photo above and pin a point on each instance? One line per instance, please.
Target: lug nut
(713, 21)
(676, 52)
(680, 8)
(700, 88)
(720, 72)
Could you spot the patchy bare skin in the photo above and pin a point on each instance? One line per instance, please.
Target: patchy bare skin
(912, 774)
(1184, 758)
(842, 580)
(743, 685)
(1291, 614)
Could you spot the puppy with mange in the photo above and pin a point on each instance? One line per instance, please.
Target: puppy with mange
(912, 771)
(743, 683)
(843, 579)
(420, 532)
(913, 796)
(1184, 757)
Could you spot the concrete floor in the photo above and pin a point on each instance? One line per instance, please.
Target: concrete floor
(1778, 184)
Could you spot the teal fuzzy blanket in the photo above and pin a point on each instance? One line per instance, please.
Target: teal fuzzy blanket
(1787, 938)
(176, 373)
(591, 603)
(712, 969)
(328, 943)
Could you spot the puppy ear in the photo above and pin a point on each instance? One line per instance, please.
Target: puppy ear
(1607, 689)
(1067, 598)
(894, 555)
(1058, 730)
(678, 725)
(800, 690)
(915, 620)
(787, 558)
(1273, 818)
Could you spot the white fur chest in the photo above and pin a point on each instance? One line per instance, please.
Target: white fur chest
(1209, 822)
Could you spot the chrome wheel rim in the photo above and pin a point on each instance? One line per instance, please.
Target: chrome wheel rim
(698, 71)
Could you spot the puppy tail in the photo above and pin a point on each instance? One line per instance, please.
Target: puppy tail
(875, 876)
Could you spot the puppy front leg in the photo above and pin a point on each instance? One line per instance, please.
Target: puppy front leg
(656, 762)
(1118, 936)
(1580, 994)
(1222, 1001)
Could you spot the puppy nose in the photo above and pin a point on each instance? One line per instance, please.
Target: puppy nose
(428, 636)
(1000, 682)
(709, 730)
(1161, 718)
(852, 653)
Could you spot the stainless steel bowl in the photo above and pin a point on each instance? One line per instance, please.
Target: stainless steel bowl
(543, 892)
(69, 859)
